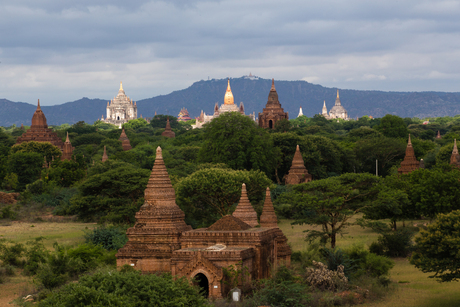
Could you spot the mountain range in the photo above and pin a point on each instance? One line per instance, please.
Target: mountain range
(253, 92)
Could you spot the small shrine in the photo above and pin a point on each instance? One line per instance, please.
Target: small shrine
(183, 115)
(273, 112)
(168, 131)
(455, 157)
(67, 149)
(410, 162)
(298, 173)
(124, 141)
(104, 155)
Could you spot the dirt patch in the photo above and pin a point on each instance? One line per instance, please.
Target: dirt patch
(8, 198)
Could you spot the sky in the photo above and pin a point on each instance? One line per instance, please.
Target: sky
(60, 51)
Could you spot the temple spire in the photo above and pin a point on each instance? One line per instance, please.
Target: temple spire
(273, 85)
(409, 143)
(104, 155)
(67, 138)
(38, 105)
(338, 94)
(228, 99)
(455, 150)
(244, 210)
(168, 132)
(268, 217)
(121, 86)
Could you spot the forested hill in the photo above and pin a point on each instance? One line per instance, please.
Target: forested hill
(202, 95)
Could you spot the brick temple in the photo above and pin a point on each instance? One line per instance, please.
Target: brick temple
(410, 162)
(273, 112)
(39, 132)
(298, 173)
(161, 241)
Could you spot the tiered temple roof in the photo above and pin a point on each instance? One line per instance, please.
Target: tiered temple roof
(410, 162)
(39, 131)
(121, 109)
(124, 140)
(183, 115)
(244, 210)
(298, 172)
(168, 132)
(273, 111)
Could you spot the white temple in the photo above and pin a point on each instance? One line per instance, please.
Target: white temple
(120, 109)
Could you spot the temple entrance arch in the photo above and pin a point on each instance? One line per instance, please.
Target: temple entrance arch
(270, 124)
(118, 117)
(201, 281)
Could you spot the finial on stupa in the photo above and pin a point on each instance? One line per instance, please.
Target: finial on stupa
(121, 86)
(38, 105)
(409, 143)
(228, 99)
(67, 138)
(455, 150)
(244, 210)
(337, 93)
(273, 85)
(268, 217)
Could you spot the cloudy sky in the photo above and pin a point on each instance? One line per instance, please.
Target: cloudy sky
(60, 51)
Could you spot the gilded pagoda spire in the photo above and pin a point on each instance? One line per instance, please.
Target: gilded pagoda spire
(268, 217)
(121, 86)
(228, 94)
(244, 210)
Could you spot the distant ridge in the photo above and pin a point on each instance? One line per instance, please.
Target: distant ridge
(253, 92)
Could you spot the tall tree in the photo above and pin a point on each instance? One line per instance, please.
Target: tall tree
(330, 203)
(237, 141)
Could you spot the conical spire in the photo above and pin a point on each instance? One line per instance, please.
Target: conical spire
(410, 162)
(244, 211)
(455, 157)
(168, 132)
(273, 85)
(455, 150)
(438, 136)
(337, 100)
(300, 112)
(104, 155)
(268, 217)
(324, 111)
(39, 119)
(121, 86)
(228, 99)
(124, 140)
(67, 141)
(298, 173)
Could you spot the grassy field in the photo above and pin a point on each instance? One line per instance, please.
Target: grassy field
(63, 233)
(414, 288)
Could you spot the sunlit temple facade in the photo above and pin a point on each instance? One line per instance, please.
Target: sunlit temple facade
(337, 111)
(120, 109)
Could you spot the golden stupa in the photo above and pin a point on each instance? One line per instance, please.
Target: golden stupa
(228, 95)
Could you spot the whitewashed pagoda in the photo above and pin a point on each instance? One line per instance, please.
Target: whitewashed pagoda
(120, 109)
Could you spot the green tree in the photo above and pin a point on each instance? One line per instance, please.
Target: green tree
(387, 151)
(113, 190)
(65, 173)
(393, 126)
(27, 166)
(437, 249)
(42, 148)
(211, 193)
(136, 124)
(237, 141)
(330, 203)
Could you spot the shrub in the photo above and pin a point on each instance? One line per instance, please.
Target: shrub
(111, 238)
(323, 279)
(8, 213)
(282, 290)
(113, 288)
(35, 254)
(336, 257)
(11, 253)
(368, 263)
(397, 243)
(377, 248)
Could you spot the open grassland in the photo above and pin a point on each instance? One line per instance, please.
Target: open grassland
(63, 233)
(414, 288)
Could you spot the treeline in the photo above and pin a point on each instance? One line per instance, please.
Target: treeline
(207, 166)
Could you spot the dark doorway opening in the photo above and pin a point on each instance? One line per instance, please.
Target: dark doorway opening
(270, 124)
(118, 117)
(202, 281)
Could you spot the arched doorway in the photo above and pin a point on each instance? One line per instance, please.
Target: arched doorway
(270, 124)
(118, 117)
(202, 281)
